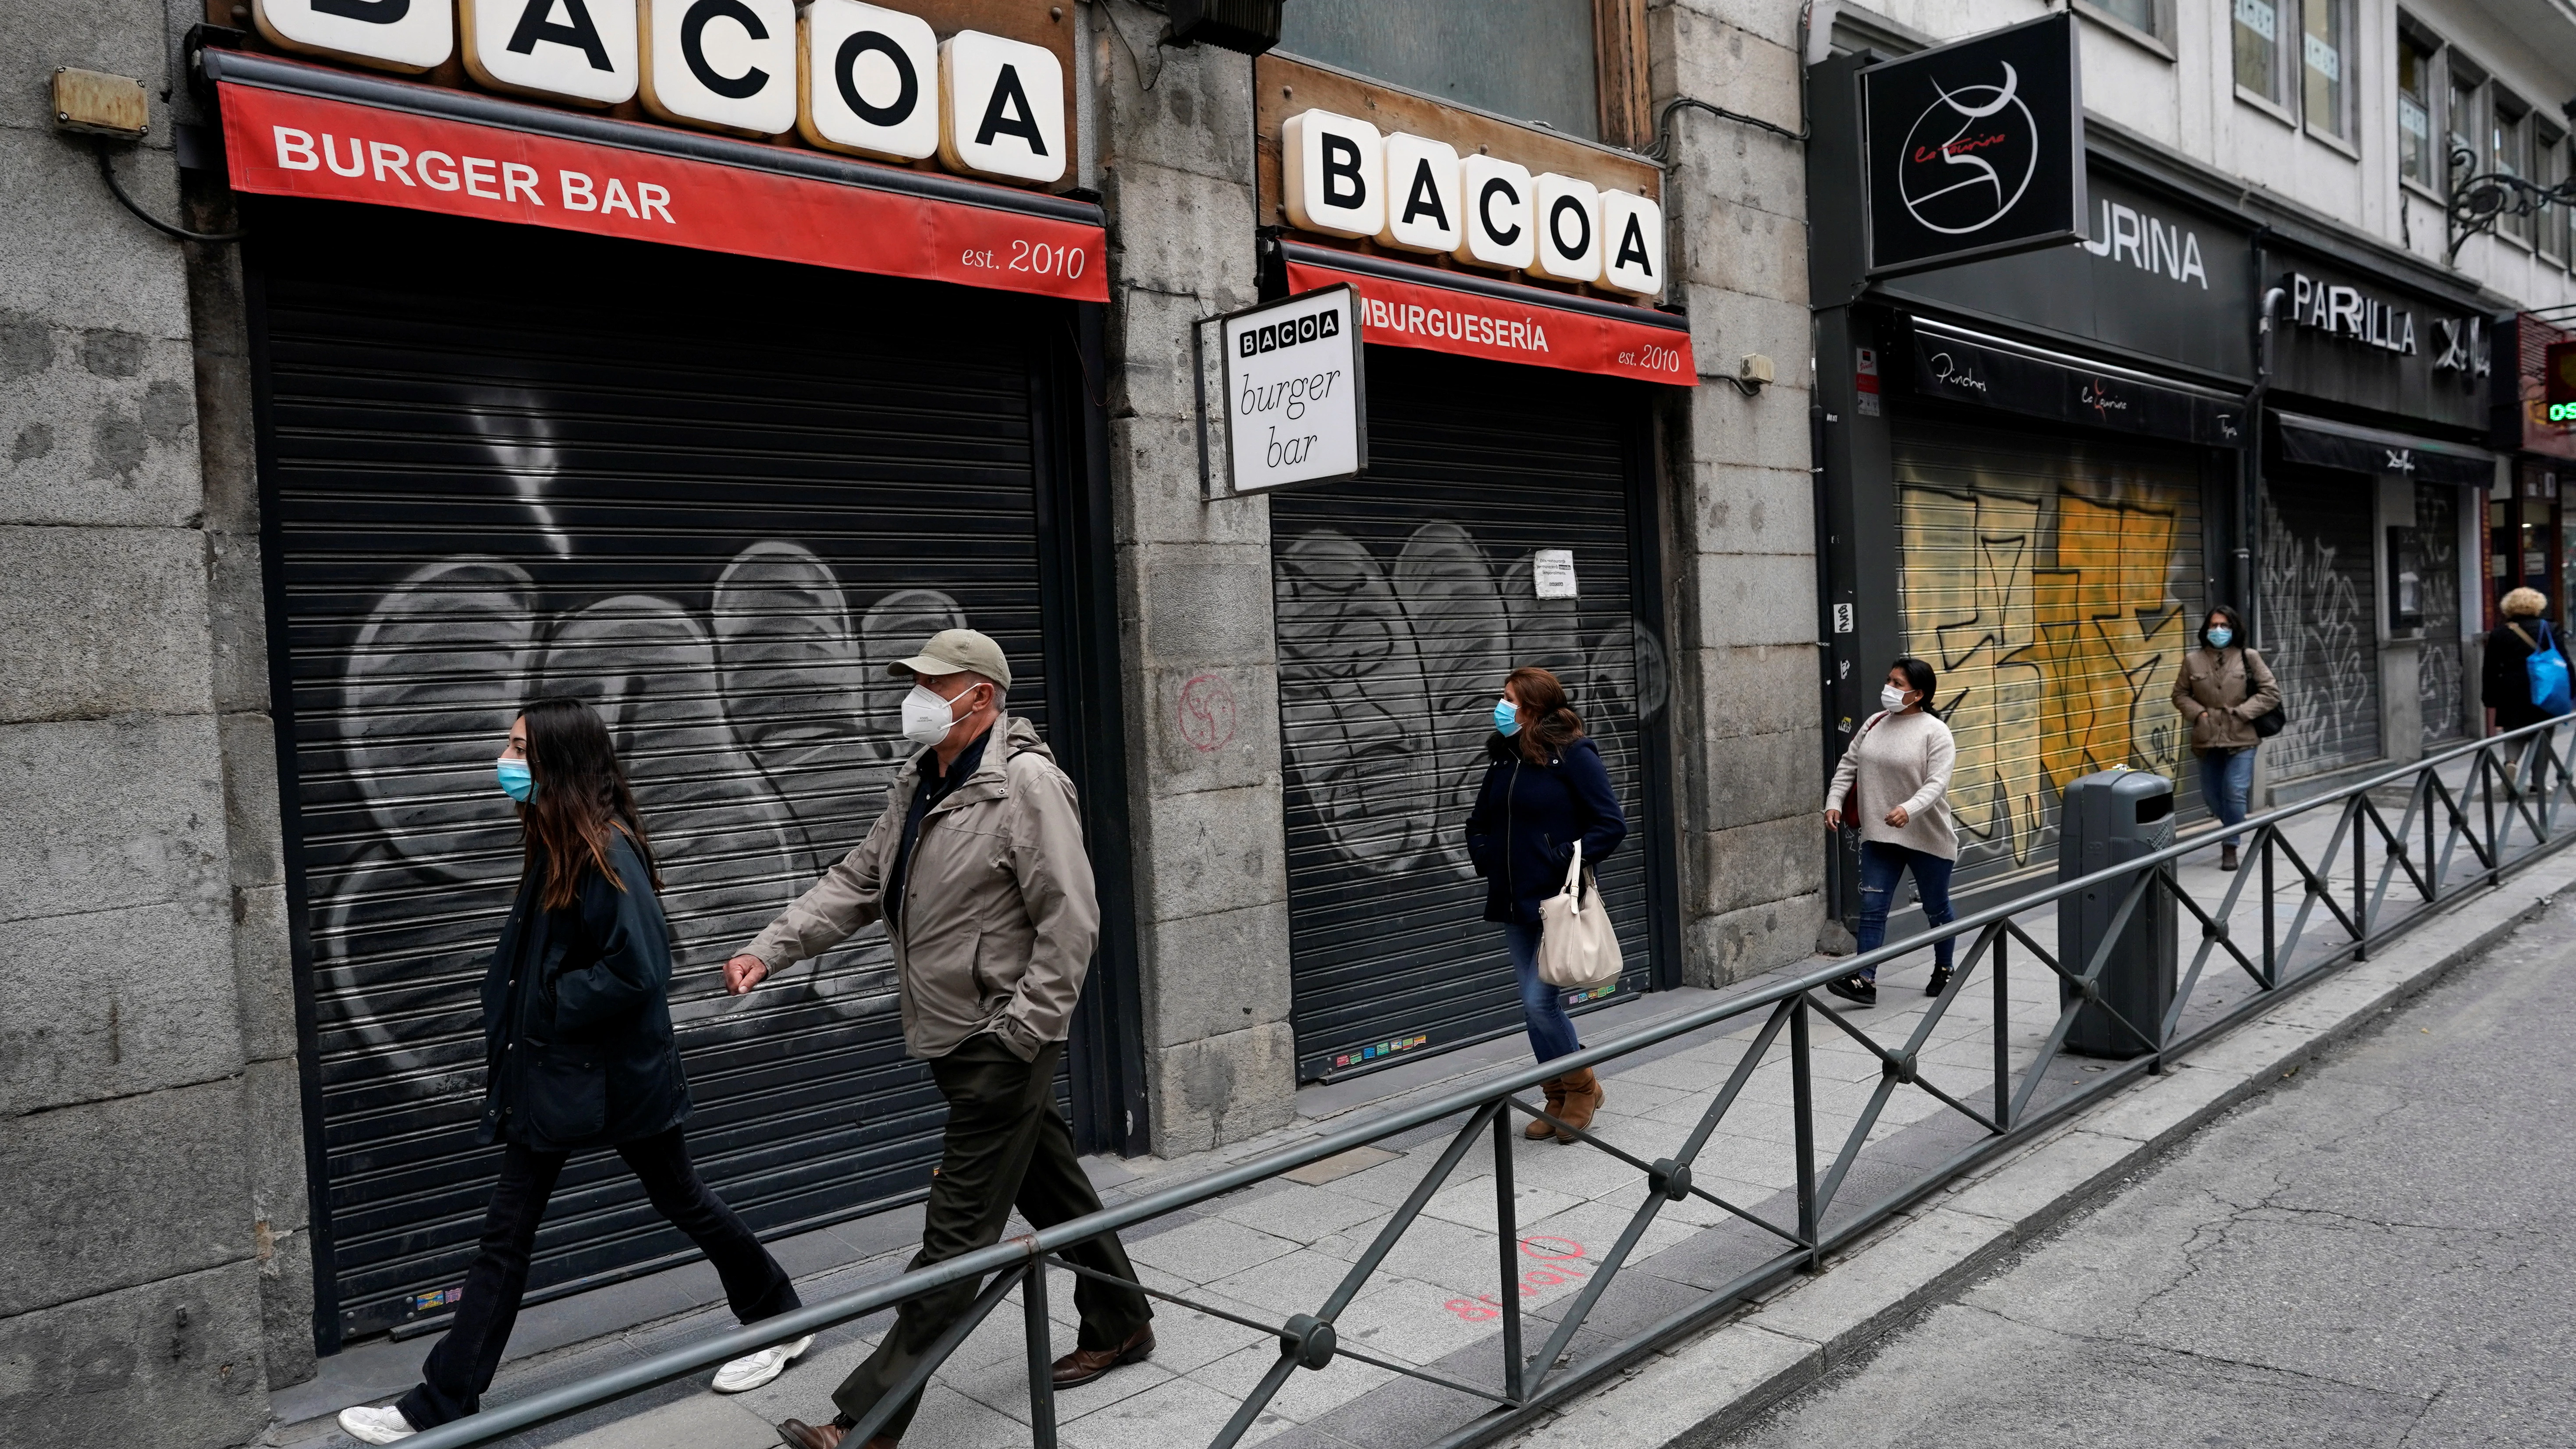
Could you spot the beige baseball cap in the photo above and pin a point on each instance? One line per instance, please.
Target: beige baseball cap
(952, 650)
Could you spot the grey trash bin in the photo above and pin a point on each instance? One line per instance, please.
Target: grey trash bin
(2104, 819)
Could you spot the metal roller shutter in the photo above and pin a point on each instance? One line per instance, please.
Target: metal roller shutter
(2440, 681)
(2320, 621)
(1402, 601)
(2053, 585)
(712, 506)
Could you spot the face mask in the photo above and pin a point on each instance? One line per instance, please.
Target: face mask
(927, 718)
(1506, 718)
(1891, 698)
(2219, 634)
(516, 782)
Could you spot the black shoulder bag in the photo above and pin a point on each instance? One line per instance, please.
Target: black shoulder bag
(2271, 721)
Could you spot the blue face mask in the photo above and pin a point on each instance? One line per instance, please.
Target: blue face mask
(516, 782)
(2219, 635)
(1506, 719)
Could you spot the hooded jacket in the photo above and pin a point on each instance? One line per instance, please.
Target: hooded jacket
(1521, 834)
(577, 1016)
(999, 915)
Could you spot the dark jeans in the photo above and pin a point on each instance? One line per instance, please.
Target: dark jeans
(1880, 865)
(1551, 1031)
(2226, 781)
(1006, 1145)
(460, 1367)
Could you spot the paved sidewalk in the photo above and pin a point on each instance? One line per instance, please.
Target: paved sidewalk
(1279, 1248)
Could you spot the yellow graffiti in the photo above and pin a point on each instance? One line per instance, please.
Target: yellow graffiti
(2054, 629)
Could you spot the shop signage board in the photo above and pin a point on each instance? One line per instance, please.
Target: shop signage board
(2352, 336)
(1974, 149)
(1401, 305)
(2153, 277)
(842, 74)
(1290, 392)
(715, 195)
(1968, 367)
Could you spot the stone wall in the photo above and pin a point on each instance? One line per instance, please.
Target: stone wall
(150, 1130)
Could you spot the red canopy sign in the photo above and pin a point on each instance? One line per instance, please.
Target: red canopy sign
(1400, 312)
(287, 144)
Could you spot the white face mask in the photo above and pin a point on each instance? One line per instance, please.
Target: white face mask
(927, 718)
(1891, 698)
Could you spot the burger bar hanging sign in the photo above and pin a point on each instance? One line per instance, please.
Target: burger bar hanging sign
(1975, 149)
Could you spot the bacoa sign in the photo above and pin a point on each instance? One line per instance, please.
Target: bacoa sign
(1975, 149)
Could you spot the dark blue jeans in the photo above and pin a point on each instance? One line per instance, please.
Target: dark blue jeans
(1880, 865)
(2226, 781)
(1551, 1031)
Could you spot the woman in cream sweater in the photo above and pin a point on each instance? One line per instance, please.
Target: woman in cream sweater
(1894, 782)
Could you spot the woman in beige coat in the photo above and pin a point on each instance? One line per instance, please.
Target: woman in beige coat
(2221, 689)
(1894, 783)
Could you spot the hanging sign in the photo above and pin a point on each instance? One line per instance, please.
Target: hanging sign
(1975, 149)
(1289, 394)
(286, 143)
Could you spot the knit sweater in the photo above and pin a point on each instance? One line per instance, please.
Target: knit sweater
(1901, 759)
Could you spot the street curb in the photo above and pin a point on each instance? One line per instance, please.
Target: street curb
(1699, 1392)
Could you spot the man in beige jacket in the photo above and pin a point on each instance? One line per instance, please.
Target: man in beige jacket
(977, 868)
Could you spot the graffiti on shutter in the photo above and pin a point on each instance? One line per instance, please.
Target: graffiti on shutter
(2321, 622)
(2439, 679)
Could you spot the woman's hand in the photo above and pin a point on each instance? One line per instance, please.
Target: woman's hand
(1833, 820)
(743, 973)
(1897, 817)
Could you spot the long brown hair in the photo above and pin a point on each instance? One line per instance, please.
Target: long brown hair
(1547, 723)
(581, 796)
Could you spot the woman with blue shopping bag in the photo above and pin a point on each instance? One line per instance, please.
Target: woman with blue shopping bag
(2526, 677)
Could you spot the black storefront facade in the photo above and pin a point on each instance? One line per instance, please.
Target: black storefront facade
(2033, 473)
(710, 485)
(2040, 470)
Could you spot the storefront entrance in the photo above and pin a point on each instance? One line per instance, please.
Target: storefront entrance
(713, 497)
(1402, 599)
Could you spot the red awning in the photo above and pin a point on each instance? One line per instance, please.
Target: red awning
(1403, 305)
(292, 129)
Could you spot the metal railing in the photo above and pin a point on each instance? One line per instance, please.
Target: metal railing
(2501, 817)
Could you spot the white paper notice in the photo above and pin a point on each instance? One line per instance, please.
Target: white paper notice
(1553, 570)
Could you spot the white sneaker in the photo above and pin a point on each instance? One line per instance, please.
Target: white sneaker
(375, 1426)
(754, 1369)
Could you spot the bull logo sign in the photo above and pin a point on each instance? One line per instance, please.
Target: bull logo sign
(1975, 149)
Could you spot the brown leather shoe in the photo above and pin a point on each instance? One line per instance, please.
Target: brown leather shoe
(1538, 1130)
(1583, 1097)
(797, 1434)
(1085, 1364)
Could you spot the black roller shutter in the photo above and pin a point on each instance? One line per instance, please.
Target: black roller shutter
(711, 497)
(2440, 680)
(1402, 600)
(2320, 620)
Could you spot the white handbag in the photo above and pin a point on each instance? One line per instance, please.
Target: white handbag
(1576, 946)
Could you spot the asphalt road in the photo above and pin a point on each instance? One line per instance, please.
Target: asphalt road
(2379, 1251)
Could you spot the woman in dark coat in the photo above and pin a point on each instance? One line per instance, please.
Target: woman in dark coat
(578, 1054)
(1545, 790)
(2504, 681)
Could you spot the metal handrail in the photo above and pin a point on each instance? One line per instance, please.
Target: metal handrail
(1537, 1383)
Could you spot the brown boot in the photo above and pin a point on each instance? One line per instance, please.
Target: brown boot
(1538, 1130)
(1583, 1097)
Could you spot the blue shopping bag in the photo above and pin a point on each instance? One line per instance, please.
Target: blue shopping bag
(2548, 669)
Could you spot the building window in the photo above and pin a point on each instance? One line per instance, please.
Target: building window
(2259, 27)
(1533, 60)
(2550, 168)
(2139, 15)
(2417, 154)
(2509, 154)
(2325, 49)
(2463, 90)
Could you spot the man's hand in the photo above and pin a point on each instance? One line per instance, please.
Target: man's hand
(1897, 817)
(743, 973)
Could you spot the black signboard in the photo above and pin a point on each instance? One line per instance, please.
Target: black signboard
(1975, 149)
(1982, 371)
(2154, 277)
(2321, 443)
(2350, 334)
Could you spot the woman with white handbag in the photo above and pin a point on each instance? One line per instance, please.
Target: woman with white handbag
(1545, 814)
